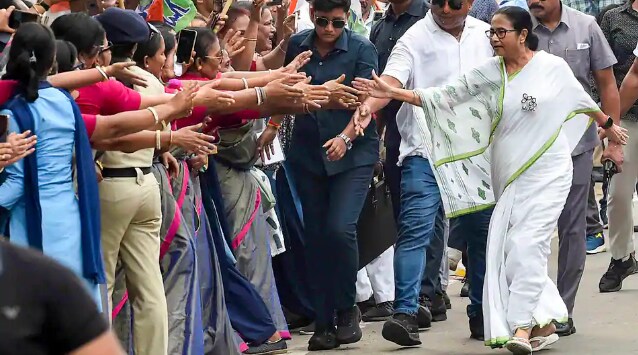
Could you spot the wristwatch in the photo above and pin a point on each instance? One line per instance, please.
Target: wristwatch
(346, 140)
(609, 123)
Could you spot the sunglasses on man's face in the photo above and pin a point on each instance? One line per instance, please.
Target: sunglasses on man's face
(453, 4)
(324, 22)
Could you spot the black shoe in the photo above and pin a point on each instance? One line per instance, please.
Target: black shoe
(476, 327)
(446, 299)
(366, 305)
(565, 329)
(618, 270)
(436, 306)
(379, 313)
(325, 339)
(465, 290)
(401, 329)
(267, 348)
(424, 318)
(348, 330)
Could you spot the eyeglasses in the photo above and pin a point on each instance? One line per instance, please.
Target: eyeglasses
(79, 66)
(453, 4)
(102, 49)
(499, 32)
(324, 22)
(219, 56)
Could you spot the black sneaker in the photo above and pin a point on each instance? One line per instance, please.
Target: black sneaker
(465, 290)
(446, 299)
(436, 306)
(401, 329)
(477, 330)
(277, 347)
(348, 330)
(366, 305)
(379, 313)
(618, 270)
(565, 329)
(424, 318)
(325, 339)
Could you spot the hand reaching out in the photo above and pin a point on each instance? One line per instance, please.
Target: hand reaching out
(121, 72)
(302, 59)
(213, 99)
(182, 103)
(361, 118)
(17, 147)
(375, 88)
(342, 95)
(314, 95)
(234, 43)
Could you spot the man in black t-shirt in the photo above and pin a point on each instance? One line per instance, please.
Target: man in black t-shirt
(44, 309)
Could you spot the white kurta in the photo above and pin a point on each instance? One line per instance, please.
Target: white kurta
(511, 137)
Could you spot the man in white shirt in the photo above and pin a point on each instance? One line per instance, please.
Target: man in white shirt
(434, 51)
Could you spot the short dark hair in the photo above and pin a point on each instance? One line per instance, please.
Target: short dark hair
(148, 48)
(83, 31)
(329, 5)
(521, 20)
(65, 55)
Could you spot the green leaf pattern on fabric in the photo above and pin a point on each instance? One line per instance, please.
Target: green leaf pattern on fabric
(481, 194)
(476, 135)
(476, 113)
(452, 126)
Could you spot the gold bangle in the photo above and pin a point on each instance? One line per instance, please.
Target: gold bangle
(170, 138)
(245, 83)
(158, 140)
(251, 39)
(102, 72)
(155, 115)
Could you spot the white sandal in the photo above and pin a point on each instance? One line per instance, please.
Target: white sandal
(519, 346)
(544, 342)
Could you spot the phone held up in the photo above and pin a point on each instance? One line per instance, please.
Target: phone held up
(185, 46)
(19, 17)
(4, 127)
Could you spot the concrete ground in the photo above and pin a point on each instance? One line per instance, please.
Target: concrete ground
(606, 323)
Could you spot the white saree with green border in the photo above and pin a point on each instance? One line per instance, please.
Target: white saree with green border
(508, 139)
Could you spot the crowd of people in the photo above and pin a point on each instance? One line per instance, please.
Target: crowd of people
(210, 204)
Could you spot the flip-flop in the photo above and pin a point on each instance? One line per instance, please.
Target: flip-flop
(544, 342)
(519, 346)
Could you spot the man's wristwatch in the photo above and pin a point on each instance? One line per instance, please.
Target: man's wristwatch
(609, 123)
(346, 140)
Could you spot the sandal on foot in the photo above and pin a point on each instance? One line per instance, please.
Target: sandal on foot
(543, 342)
(519, 346)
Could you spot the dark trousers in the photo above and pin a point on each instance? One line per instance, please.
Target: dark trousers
(331, 207)
(572, 228)
(247, 311)
(290, 267)
(393, 178)
(431, 280)
(473, 230)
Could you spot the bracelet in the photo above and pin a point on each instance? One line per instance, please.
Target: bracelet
(101, 70)
(263, 95)
(155, 116)
(163, 125)
(158, 140)
(251, 39)
(245, 83)
(170, 138)
(609, 123)
(259, 99)
(274, 124)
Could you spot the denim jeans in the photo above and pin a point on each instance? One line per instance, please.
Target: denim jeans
(473, 229)
(431, 284)
(420, 202)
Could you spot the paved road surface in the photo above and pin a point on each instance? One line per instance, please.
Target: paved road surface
(606, 324)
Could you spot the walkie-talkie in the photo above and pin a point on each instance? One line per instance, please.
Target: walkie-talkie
(609, 170)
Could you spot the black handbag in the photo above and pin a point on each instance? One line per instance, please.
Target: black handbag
(376, 228)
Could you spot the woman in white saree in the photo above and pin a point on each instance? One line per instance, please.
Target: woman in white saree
(504, 132)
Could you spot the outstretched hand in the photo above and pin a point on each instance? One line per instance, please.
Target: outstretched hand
(376, 87)
(342, 95)
(361, 119)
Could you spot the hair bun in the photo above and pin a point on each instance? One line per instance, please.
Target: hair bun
(532, 41)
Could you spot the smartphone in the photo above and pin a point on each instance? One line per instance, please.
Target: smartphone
(19, 17)
(378, 15)
(4, 126)
(185, 46)
(274, 3)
